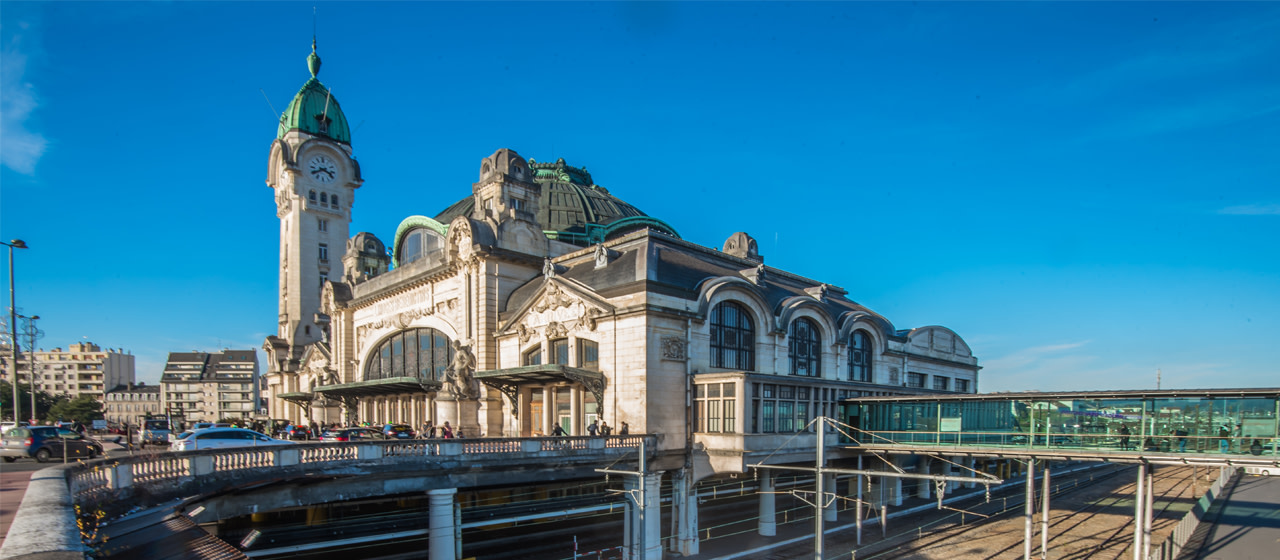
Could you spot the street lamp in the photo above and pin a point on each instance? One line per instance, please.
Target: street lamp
(13, 324)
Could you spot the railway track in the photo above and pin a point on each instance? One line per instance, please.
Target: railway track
(1090, 519)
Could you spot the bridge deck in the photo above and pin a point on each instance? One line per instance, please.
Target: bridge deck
(1210, 426)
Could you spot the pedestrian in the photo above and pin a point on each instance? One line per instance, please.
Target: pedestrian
(1181, 434)
(446, 432)
(429, 430)
(593, 429)
(605, 429)
(624, 430)
(558, 431)
(1124, 436)
(459, 434)
(1224, 439)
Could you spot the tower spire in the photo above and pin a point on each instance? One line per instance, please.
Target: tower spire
(313, 59)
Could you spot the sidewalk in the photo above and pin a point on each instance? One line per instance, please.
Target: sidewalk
(13, 486)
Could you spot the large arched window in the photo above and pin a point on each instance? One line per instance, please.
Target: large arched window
(420, 243)
(421, 353)
(859, 356)
(733, 337)
(806, 356)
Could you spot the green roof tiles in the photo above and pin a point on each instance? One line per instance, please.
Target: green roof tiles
(314, 110)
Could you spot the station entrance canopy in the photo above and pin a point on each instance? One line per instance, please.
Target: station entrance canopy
(1215, 426)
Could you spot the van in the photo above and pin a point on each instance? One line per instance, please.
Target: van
(1262, 471)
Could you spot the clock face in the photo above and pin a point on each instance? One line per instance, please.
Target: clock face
(322, 169)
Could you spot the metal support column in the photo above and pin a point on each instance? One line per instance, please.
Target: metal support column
(1029, 509)
(1146, 518)
(858, 505)
(1044, 515)
(819, 494)
(830, 512)
(1139, 503)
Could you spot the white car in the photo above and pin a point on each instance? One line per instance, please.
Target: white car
(218, 438)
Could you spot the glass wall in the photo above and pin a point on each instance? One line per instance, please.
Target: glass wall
(1214, 425)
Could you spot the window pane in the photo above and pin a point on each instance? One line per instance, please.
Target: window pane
(588, 355)
(560, 351)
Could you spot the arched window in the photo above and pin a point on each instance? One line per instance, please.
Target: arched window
(533, 356)
(324, 198)
(313, 196)
(733, 337)
(806, 356)
(421, 353)
(334, 200)
(859, 356)
(420, 243)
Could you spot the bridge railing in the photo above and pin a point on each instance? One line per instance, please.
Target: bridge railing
(169, 468)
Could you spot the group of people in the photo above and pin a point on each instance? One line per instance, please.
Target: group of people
(446, 431)
(1179, 436)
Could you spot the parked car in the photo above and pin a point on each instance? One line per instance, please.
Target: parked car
(399, 431)
(45, 443)
(297, 431)
(352, 434)
(218, 438)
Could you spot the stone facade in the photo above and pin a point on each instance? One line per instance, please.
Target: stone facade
(84, 368)
(208, 387)
(542, 301)
(130, 403)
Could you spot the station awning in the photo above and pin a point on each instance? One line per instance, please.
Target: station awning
(510, 380)
(379, 388)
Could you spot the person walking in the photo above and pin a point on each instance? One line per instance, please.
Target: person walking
(593, 429)
(429, 430)
(558, 431)
(1124, 436)
(624, 430)
(605, 429)
(447, 431)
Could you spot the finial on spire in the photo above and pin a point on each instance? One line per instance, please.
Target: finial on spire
(313, 60)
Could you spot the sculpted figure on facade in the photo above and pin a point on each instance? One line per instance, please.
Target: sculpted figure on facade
(458, 379)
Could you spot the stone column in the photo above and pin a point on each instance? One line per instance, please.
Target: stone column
(646, 518)
(441, 536)
(462, 414)
(548, 409)
(579, 427)
(768, 524)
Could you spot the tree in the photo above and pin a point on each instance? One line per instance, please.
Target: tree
(83, 409)
(44, 401)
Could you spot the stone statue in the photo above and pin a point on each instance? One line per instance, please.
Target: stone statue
(458, 381)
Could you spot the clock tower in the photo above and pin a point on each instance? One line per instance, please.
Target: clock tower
(314, 177)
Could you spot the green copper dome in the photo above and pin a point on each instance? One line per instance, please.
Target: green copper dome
(314, 109)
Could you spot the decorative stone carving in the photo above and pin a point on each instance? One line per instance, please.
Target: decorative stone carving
(282, 201)
(556, 330)
(674, 349)
(593, 315)
(743, 246)
(525, 333)
(548, 269)
(603, 256)
(818, 292)
(458, 379)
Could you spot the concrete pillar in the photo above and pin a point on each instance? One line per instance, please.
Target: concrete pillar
(1029, 509)
(973, 467)
(646, 535)
(829, 511)
(685, 504)
(768, 524)
(578, 426)
(441, 536)
(1139, 507)
(897, 491)
(947, 470)
(924, 488)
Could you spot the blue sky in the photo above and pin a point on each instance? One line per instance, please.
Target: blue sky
(1087, 192)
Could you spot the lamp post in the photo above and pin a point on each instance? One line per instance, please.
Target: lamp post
(13, 324)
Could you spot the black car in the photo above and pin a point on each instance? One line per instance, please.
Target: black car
(353, 434)
(296, 431)
(45, 443)
(398, 431)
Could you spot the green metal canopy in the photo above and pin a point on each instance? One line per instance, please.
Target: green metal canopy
(380, 387)
(509, 380)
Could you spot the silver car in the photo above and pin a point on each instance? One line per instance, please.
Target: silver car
(219, 438)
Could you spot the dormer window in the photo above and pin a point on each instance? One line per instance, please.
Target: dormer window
(516, 203)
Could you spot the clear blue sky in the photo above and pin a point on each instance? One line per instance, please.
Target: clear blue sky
(1087, 192)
